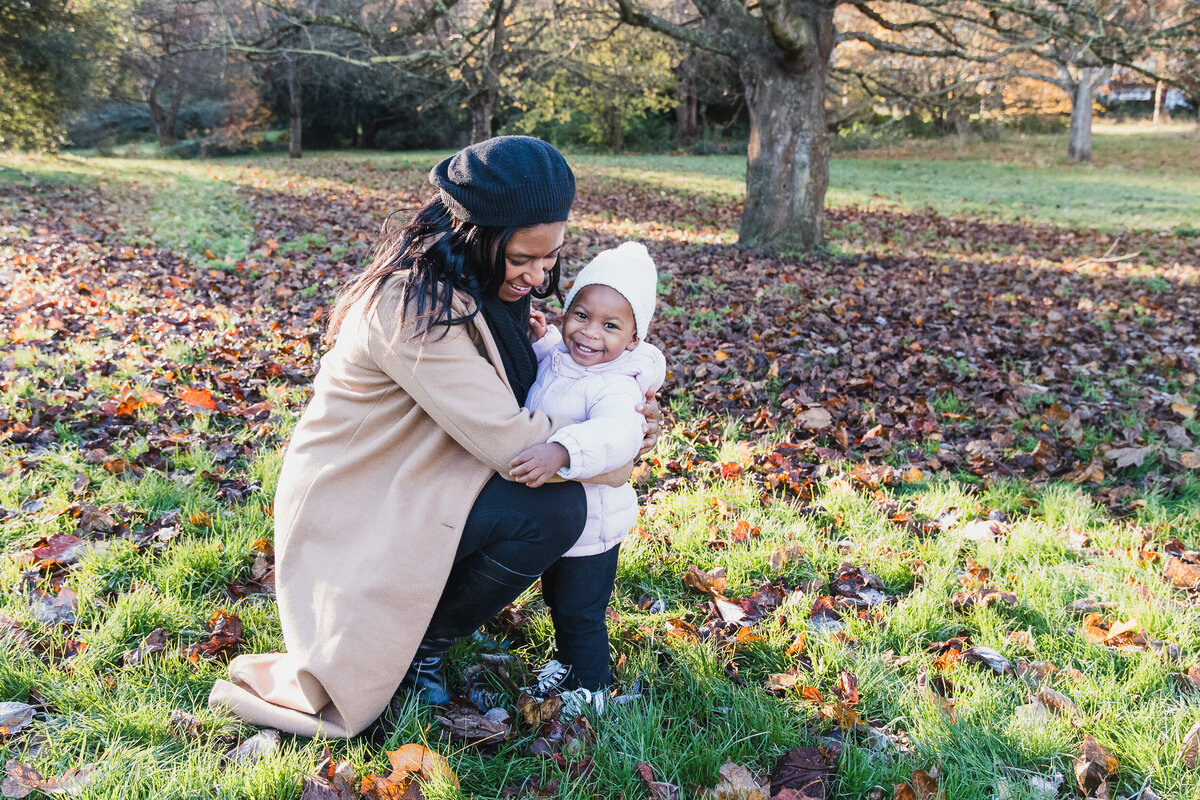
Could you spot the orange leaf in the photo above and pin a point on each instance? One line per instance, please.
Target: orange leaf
(201, 398)
(375, 787)
(415, 758)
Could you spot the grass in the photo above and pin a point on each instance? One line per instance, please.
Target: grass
(230, 330)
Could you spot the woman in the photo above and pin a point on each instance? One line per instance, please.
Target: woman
(398, 528)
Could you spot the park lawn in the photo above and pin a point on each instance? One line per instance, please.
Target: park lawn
(150, 381)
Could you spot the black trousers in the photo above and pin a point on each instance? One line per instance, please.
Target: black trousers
(523, 529)
(577, 590)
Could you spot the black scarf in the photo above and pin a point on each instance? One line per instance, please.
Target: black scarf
(509, 323)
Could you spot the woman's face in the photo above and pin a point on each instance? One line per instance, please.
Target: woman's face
(531, 254)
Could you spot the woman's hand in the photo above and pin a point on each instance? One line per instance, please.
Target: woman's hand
(653, 423)
(537, 325)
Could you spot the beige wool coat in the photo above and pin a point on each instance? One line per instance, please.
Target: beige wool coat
(384, 466)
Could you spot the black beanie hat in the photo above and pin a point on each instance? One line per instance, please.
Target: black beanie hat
(515, 181)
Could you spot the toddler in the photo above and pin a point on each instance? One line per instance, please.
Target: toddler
(595, 371)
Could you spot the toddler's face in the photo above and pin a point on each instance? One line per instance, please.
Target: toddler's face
(598, 326)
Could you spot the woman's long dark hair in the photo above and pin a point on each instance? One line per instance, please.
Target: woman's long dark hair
(444, 255)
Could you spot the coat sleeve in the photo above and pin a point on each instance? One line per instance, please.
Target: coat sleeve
(457, 387)
(610, 436)
(544, 346)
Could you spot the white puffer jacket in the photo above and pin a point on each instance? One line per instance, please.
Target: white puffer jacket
(608, 430)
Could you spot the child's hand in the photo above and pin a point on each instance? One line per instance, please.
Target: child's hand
(539, 463)
(537, 326)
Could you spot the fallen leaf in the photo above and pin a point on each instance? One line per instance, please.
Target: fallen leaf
(1128, 456)
(712, 582)
(258, 746)
(984, 530)
(59, 609)
(658, 790)
(989, 658)
(197, 398)
(155, 642)
(15, 716)
(330, 781)
(420, 762)
(1191, 747)
(804, 770)
(814, 419)
(185, 723)
(536, 712)
(1092, 767)
(1181, 575)
(925, 785)
(736, 783)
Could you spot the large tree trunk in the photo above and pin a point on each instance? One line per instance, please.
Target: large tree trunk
(687, 105)
(787, 169)
(483, 101)
(481, 116)
(1082, 92)
(295, 113)
(163, 118)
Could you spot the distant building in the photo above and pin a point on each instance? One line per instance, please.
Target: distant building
(1123, 92)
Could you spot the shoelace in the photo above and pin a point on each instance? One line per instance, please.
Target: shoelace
(575, 700)
(550, 677)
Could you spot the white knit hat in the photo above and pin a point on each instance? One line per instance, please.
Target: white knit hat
(628, 269)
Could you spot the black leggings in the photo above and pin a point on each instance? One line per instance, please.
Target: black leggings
(577, 591)
(524, 529)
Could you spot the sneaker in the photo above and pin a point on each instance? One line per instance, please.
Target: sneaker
(578, 700)
(550, 678)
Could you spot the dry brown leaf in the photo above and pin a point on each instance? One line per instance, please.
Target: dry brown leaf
(1191, 747)
(803, 771)
(1183, 576)
(925, 785)
(155, 642)
(814, 419)
(420, 762)
(536, 712)
(255, 748)
(659, 790)
(990, 659)
(185, 723)
(736, 783)
(15, 716)
(1092, 767)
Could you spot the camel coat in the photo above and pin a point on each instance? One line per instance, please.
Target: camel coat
(379, 477)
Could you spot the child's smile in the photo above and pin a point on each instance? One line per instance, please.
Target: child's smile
(599, 326)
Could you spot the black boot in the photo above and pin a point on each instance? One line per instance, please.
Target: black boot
(478, 589)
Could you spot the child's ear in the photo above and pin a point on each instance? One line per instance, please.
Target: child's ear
(632, 343)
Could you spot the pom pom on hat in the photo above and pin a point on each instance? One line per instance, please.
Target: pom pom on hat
(506, 181)
(628, 269)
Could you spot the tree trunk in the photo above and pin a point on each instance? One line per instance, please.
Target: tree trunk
(295, 113)
(787, 169)
(1161, 114)
(687, 105)
(480, 105)
(163, 118)
(1080, 147)
(483, 101)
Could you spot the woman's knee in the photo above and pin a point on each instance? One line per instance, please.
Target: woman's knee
(562, 513)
